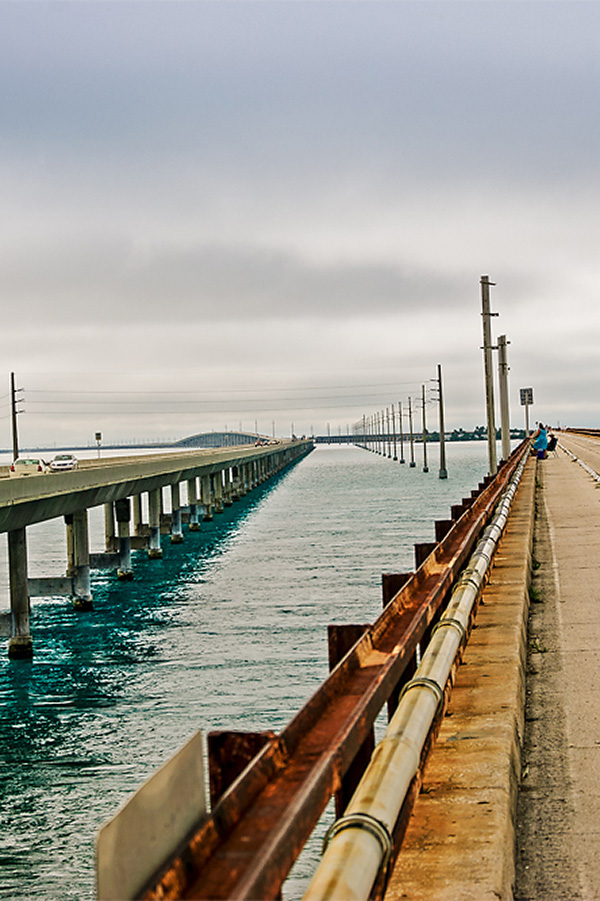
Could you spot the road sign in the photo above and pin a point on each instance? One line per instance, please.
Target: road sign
(526, 397)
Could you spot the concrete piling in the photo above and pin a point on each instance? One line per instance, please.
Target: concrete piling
(154, 508)
(136, 505)
(227, 487)
(82, 592)
(110, 537)
(20, 645)
(217, 483)
(206, 488)
(176, 532)
(123, 514)
(192, 490)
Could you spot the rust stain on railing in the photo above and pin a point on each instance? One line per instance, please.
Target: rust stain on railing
(247, 846)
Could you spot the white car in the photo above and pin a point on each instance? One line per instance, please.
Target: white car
(28, 466)
(64, 461)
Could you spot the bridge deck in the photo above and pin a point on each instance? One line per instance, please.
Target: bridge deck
(559, 812)
(461, 839)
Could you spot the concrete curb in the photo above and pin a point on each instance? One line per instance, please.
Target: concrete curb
(460, 843)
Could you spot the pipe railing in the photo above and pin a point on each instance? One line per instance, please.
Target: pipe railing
(273, 799)
(359, 844)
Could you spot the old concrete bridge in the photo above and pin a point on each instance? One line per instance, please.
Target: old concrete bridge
(212, 478)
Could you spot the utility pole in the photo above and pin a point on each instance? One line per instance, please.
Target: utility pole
(425, 466)
(394, 432)
(400, 426)
(443, 470)
(387, 427)
(504, 407)
(412, 438)
(14, 412)
(489, 376)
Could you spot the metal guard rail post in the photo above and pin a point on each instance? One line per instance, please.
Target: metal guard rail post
(247, 846)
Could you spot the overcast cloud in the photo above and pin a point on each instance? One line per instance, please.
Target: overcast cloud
(280, 211)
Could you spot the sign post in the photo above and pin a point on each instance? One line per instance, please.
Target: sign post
(526, 401)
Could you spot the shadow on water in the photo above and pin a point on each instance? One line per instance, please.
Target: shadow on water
(65, 714)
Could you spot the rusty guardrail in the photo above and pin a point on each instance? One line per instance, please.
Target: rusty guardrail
(268, 791)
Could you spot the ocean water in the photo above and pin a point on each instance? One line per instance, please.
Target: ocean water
(227, 631)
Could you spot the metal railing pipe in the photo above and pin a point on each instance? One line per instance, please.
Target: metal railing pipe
(359, 844)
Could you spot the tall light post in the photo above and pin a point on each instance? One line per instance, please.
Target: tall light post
(489, 376)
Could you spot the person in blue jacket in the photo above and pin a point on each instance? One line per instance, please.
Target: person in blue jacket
(540, 441)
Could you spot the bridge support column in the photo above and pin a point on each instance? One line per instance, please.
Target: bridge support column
(110, 537)
(206, 488)
(82, 597)
(123, 513)
(240, 483)
(20, 645)
(154, 507)
(228, 488)
(193, 505)
(176, 533)
(70, 545)
(136, 504)
(217, 480)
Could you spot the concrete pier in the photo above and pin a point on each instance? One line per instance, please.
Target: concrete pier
(136, 510)
(82, 593)
(217, 487)
(207, 496)
(176, 532)
(192, 491)
(123, 514)
(20, 644)
(110, 535)
(154, 510)
(227, 487)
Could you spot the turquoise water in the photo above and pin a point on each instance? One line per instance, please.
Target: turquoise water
(228, 630)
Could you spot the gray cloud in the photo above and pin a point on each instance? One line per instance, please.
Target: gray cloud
(299, 194)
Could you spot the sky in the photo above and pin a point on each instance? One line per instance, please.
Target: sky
(276, 215)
